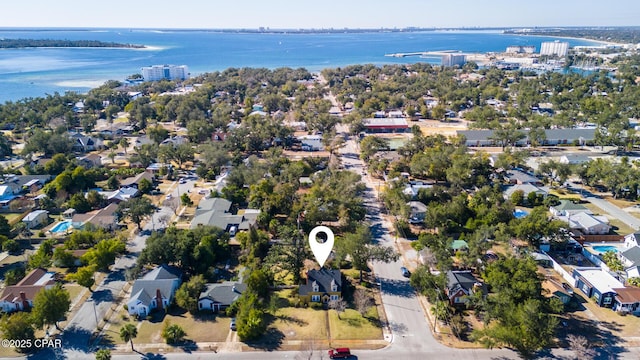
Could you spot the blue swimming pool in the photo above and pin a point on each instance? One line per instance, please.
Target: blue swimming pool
(519, 214)
(62, 226)
(604, 248)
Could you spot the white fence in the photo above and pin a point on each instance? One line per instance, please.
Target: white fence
(560, 270)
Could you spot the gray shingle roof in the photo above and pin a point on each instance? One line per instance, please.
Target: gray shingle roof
(632, 254)
(223, 293)
(323, 278)
(162, 272)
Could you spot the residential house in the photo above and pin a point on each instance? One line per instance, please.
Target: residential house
(26, 183)
(19, 297)
(574, 159)
(36, 219)
(218, 136)
(587, 224)
(521, 177)
(632, 240)
(155, 290)
(174, 140)
(633, 271)
(105, 218)
(541, 259)
(567, 208)
(216, 212)
(311, 142)
(559, 290)
(630, 257)
(526, 190)
(83, 143)
(120, 195)
(89, 161)
(597, 284)
(459, 245)
(220, 296)
(412, 189)
(627, 300)
(322, 285)
(461, 284)
(418, 211)
(134, 181)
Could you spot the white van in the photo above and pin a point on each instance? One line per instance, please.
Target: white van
(233, 231)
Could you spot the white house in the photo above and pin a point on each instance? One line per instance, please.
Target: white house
(630, 257)
(632, 240)
(19, 297)
(155, 290)
(568, 208)
(36, 218)
(588, 224)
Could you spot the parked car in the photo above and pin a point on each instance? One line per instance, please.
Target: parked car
(405, 272)
(339, 353)
(232, 325)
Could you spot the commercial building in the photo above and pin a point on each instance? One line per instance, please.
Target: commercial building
(554, 48)
(165, 72)
(521, 49)
(385, 125)
(453, 60)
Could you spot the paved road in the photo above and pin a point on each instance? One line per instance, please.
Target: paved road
(614, 211)
(76, 335)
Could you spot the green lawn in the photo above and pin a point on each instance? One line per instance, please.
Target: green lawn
(301, 323)
(352, 326)
(201, 328)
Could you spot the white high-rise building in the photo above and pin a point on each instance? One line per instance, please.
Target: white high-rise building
(453, 59)
(554, 48)
(165, 72)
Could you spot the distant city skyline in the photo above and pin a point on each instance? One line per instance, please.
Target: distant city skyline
(300, 14)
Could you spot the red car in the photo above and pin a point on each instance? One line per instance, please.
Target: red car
(339, 353)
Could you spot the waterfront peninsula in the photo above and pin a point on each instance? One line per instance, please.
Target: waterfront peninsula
(38, 43)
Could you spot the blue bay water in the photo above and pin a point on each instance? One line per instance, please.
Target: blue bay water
(39, 71)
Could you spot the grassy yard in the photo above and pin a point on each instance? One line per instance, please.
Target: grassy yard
(565, 195)
(301, 323)
(201, 328)
(352, 326)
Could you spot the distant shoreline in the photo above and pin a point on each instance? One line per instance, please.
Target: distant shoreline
(52, 43)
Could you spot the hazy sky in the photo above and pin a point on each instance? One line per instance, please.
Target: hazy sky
(317, 14)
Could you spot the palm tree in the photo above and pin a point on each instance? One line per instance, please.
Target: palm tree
(103, 354)
(128, 333)
(124, 142)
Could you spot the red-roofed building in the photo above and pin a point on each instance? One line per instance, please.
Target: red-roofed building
(19, 297)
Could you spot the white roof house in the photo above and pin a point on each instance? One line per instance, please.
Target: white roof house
(587, 223)
(526, 189)
(599, 279)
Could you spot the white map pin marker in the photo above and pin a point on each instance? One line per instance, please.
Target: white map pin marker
(321, 250)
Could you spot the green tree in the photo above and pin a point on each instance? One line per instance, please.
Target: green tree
(104, 253)
(613, 262)
(18, 326)
(370, 145)
(84, 276)
(129, 332)
(358, 246)
(173, 333)
(136, 210)
(289, 254)
(13, 276)
(5, 228)
(124, 144)
(189, 292)
(50, 306)
(103, 354)
(145, 186)
(186, 200)
(79, 203)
